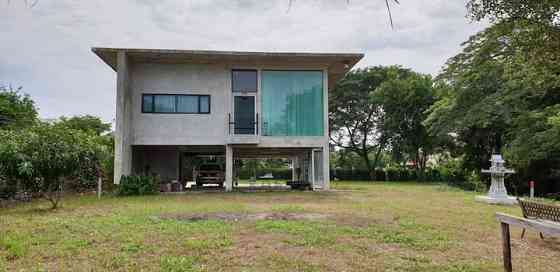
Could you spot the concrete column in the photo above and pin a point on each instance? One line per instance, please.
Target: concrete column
(294, 167)
(326, 149)
(312, 169)
(123, 126)
(229, 168)
(326, 167)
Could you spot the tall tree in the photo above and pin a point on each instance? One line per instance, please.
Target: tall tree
(405, 97)
(375, 108)
(503, 90)
(471, 100)
(356, 122)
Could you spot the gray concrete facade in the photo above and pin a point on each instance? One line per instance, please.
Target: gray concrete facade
(207, 73)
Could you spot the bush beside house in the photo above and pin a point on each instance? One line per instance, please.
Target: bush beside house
(138, 185)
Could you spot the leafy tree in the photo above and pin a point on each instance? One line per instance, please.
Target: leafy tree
(405, 97)
(356, 121)
(508, 10)
(86, 123)
(42, 157)
(16, 110)
(502, 93)
(471, 102)
(382, 108)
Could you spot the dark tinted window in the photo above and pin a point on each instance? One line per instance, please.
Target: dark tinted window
(175, 103)
(147, 103)
(244, 80)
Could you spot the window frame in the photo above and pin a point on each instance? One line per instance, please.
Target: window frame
(246, 70)
(176, 101)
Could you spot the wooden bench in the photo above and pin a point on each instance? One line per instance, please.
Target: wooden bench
(539, 211)
(541, 225)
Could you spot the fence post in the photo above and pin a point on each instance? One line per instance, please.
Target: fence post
(506, 247)
(99, 187)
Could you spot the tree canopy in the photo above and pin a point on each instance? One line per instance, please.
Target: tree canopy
(405, 97)
(379, 109)
(502, 92)
(86, 123)
(41, 158)
(17, 110)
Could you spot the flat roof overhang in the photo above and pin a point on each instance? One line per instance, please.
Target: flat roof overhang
(337, 64)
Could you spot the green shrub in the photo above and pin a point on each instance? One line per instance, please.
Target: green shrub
(7, 189)
(138, 185)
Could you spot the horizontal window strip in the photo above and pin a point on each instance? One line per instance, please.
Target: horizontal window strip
(176, 103)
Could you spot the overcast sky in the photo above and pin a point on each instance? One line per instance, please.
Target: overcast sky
(46, 48)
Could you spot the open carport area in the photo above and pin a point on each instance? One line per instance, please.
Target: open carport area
(202, 168)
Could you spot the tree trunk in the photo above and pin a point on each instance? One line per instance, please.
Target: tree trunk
(367, 161)
(53, 194)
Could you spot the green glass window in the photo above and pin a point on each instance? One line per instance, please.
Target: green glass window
(292, 103)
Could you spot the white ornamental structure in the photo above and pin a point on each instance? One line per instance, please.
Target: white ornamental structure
(497, 193)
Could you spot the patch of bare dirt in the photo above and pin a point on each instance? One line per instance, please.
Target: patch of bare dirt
(245, 216)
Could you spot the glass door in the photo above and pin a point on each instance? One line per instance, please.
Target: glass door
(244, 115)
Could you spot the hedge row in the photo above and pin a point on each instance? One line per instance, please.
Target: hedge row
(348, 174)
(276, 173)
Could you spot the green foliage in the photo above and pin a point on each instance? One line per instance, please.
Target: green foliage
(86, 123)
(15, 245)
(209, 243)
(178, 264)
(42, 157)
(258, 167)
(502, 93)
(16, 110)
(138, 185)
(7, 189)
(282, 173)
(94, 126)
(405, 97)
(380, 110)
(357, 116)
(507, 10)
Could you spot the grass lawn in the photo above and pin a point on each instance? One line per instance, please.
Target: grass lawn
(356, 227)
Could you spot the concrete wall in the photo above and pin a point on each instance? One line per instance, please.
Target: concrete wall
(194, 129)
(180, 129)
(163, 162)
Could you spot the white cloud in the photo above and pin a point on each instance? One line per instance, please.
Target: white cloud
(46, 49)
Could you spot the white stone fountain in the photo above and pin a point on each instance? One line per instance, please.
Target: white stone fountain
(497, 193)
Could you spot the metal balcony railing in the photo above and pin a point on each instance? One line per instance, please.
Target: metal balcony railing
(243, 128)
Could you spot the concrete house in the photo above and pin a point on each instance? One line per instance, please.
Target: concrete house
(175, 104)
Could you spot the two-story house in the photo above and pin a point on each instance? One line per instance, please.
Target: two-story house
(172, 103)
